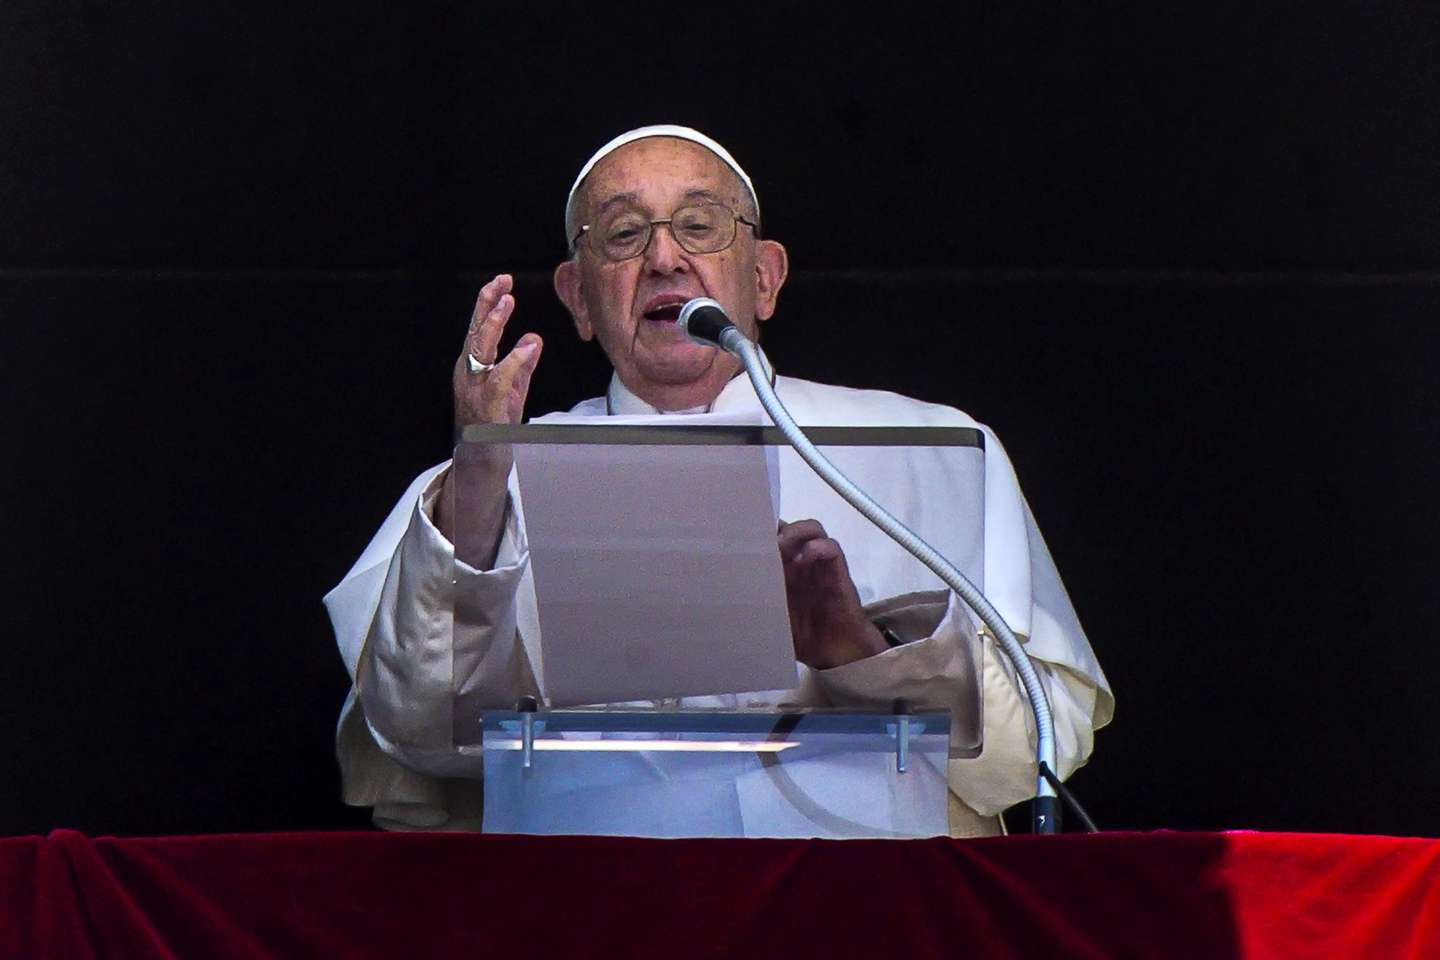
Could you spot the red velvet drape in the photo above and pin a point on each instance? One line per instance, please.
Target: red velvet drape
(378, 895)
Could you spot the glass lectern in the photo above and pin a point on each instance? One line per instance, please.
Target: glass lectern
(559, 764)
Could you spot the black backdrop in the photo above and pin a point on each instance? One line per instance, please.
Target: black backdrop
(1184, 263)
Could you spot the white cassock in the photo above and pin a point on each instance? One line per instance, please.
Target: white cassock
(410, 661)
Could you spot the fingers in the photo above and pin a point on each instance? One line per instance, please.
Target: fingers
(793, 536)
(493, 307)
(518, 364)
(827, 621)
(505, 388)
(818, 563)
(807, 552)
(496, 395)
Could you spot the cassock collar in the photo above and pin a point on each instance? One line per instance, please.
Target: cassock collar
(738, 394)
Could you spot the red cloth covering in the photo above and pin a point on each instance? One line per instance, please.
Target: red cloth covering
(433, 895)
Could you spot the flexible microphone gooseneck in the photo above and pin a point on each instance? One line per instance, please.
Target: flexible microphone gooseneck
(705, 322)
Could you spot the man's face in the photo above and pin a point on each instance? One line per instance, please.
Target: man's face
(631, 306)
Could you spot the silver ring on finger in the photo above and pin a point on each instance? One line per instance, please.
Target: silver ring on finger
(473, 364)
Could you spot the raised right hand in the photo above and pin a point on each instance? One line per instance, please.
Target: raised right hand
(495, 395)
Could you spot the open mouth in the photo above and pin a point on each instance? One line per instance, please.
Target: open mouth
(665, 312)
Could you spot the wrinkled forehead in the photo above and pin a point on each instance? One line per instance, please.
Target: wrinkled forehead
(660, 153)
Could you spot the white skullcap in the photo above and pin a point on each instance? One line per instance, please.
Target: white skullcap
(656, 130)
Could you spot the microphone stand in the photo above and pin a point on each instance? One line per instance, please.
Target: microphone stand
(1046, 807)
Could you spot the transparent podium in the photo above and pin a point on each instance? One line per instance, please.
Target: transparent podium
(653, 587)
(715, 773)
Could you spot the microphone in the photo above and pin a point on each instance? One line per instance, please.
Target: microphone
(704, 321)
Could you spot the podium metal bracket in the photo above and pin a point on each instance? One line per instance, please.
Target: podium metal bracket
(902, 734)
(526, 707)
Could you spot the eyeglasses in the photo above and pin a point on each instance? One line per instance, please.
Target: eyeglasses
(625, 234)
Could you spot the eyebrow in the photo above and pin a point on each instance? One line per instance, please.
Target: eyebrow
(617, 199)
(634, 199)
(703, 195)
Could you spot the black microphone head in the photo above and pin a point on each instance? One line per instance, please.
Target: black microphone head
(703, 320)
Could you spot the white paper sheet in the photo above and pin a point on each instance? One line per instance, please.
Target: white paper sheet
(655, 566)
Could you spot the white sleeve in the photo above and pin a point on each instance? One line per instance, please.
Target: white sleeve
(1005, 772)
(395, 622)
(952, 666)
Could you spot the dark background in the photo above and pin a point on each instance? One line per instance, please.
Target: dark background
(1183, 262)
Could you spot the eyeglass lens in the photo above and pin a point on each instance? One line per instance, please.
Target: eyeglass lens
(705, 228)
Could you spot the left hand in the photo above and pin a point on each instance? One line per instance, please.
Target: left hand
(826, 620)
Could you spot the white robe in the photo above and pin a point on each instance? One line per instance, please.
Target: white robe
(394, 626)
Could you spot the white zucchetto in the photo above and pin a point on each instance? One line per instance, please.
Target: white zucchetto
(657, 130)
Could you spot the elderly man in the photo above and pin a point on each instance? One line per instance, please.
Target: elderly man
(658, 216)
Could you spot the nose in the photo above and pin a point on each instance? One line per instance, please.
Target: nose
(664, 254)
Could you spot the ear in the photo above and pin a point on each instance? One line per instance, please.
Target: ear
(567, 288)
(772, 266)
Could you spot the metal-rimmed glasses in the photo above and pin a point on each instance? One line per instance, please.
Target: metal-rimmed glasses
(698, 228)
